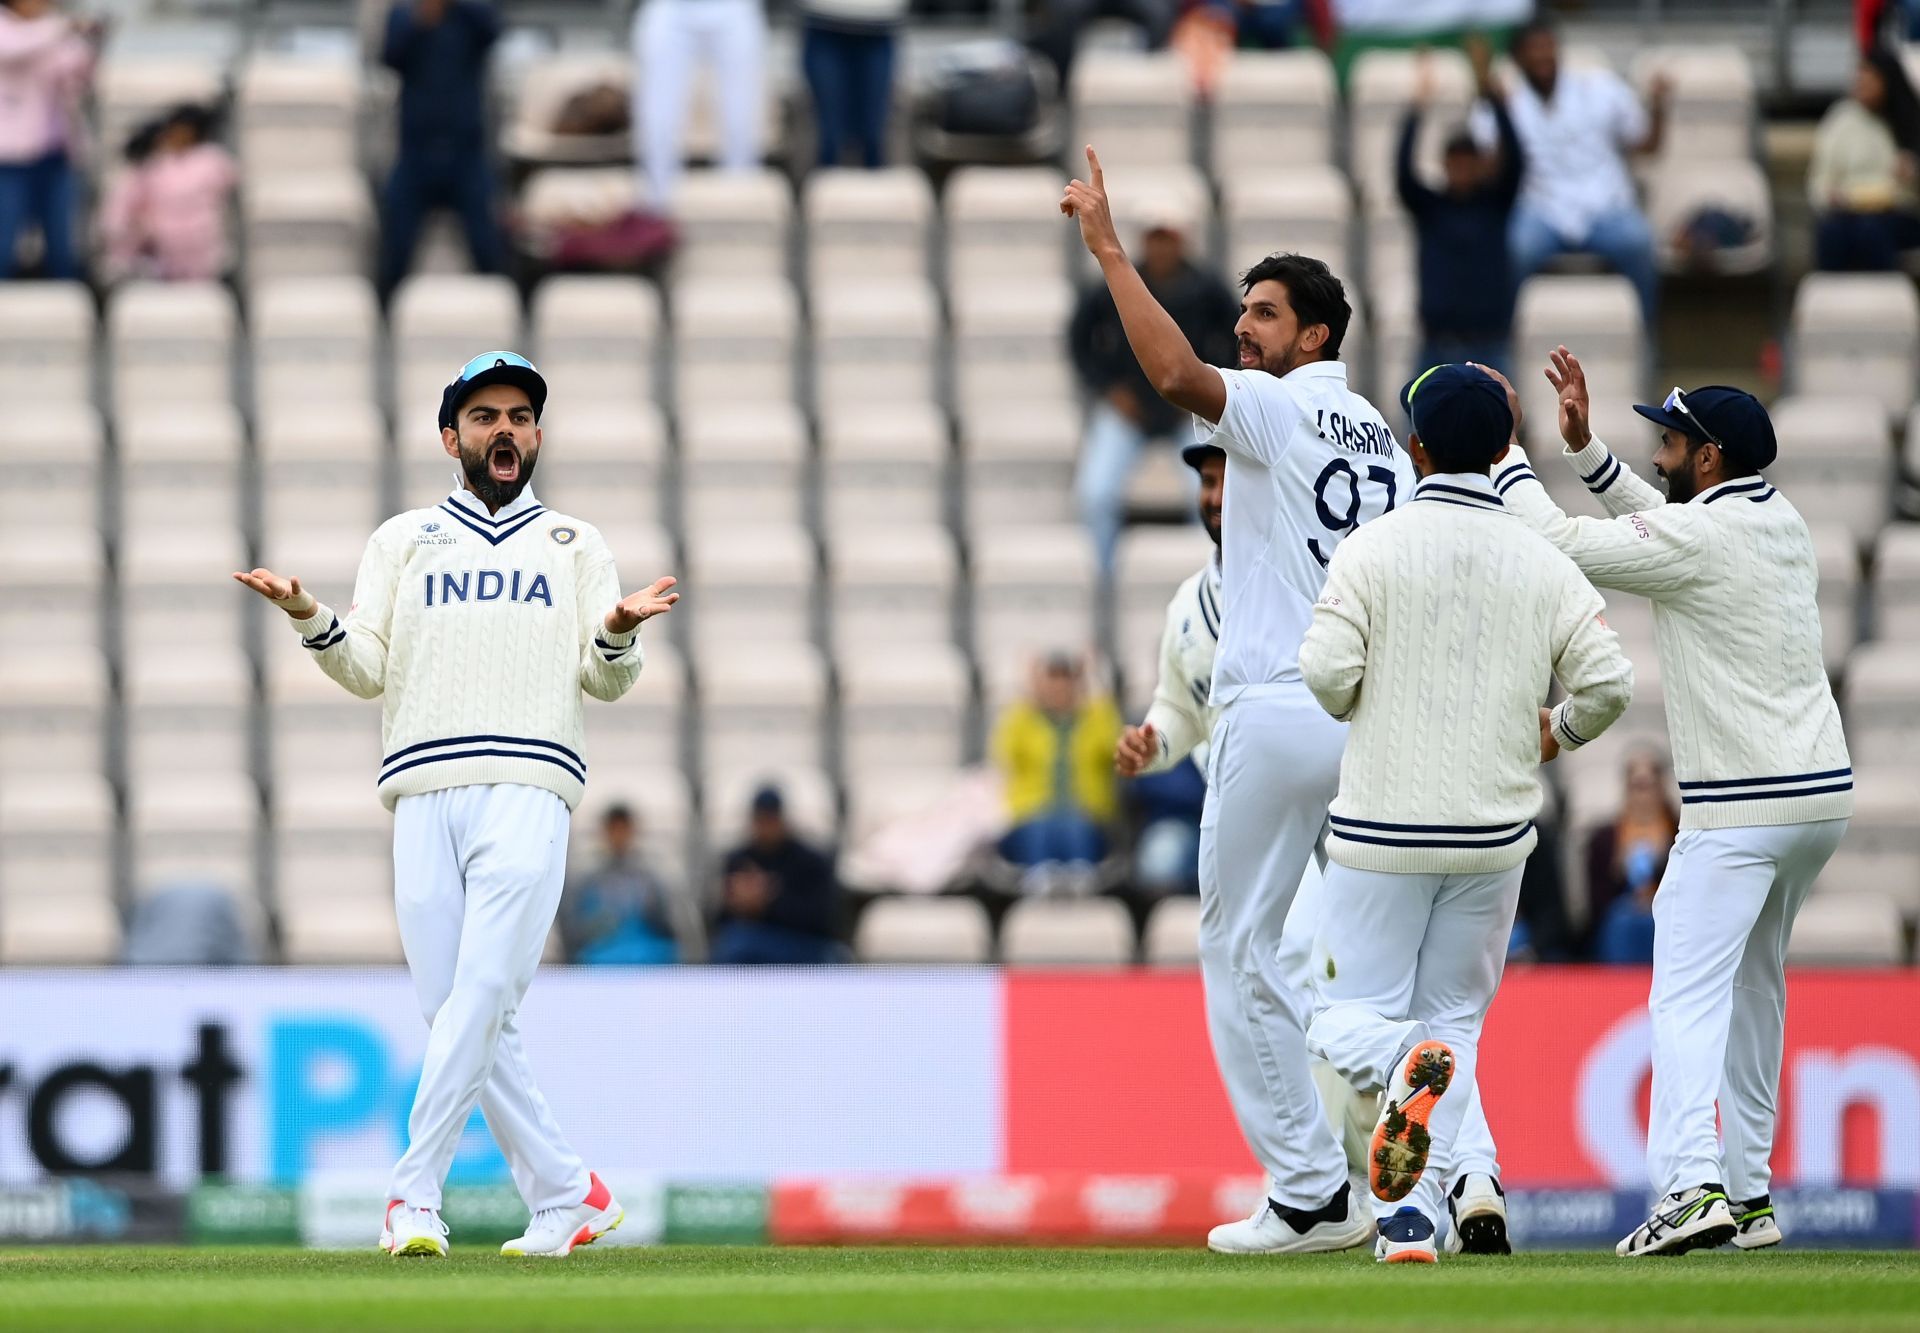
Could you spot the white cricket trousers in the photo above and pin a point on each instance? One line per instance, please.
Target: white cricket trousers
(671, 40)
(1273, 770)
(1400, 959)
(477, 879)
(1352, 1115)
(1721, 920)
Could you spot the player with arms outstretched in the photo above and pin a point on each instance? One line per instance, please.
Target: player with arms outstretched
(480, 622)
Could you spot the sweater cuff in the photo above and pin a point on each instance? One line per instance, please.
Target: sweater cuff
(1512, 470)
(1595, 465)
(1568, 739)
(613, 646)
(321, 630)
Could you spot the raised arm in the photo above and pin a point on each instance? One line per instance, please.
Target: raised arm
(1172, 366)
(1620, 489)
(352, 651)
(1333, 655)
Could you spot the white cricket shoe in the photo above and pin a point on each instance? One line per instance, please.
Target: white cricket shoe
(1695, 1219)
(555, 1233)
(1406, 1238)
(1400, 1139)
(1478, 1207)
(413, 1233)
(1277, 1229)
(1759, 1228)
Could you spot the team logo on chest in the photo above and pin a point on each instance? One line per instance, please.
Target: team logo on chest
(446, 586)
(432, 534)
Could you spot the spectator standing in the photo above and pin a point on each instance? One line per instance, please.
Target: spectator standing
(1625, 861)
(672, 39)
(620, 911)
(46, 64)
(440, 49)
(1462, 229)
(165, 217)
(1862, 177)
(780, 898)
(1054, 751)
(1126, 412)
(1060, 24)
(847, 50)
(1577, 128)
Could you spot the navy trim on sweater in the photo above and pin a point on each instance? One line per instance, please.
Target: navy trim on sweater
(1601, 479)
(469, 522)
(473, 740)
(391, 773)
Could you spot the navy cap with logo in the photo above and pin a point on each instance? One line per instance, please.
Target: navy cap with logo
(492, 368)
(1457, 406)
(1731, 418)
(1196, 454)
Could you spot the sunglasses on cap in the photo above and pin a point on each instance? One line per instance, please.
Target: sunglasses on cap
(495, 361)
(1677, 402)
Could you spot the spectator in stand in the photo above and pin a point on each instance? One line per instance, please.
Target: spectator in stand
(1054, 751)
(188, 925)
(1126, 412)
(779, 897)
(440, 49)
(1577, 128)
(46, 65)
(1862, 176)
(165, 217)
(1625, 861)
(847, 51)
(672, 40)
(620, 911)
(1060, 23)
(1463, 229)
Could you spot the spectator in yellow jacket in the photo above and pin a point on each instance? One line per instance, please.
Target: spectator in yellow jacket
(1054, 751)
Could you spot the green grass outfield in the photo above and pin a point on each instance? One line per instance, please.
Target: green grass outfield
(708, 1288)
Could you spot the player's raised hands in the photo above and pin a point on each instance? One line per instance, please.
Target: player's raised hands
(284, 593)
(1138, 747)
(1086, 201)
(1570, 382)
(649, 602)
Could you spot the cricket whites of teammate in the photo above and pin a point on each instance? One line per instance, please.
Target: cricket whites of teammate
(1308, 461)
(1766, 784)
(480, 622)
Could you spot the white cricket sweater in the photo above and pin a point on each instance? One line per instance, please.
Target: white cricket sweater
(1180, 714)
(1435, 636)
(1734, 583)
(479, 631)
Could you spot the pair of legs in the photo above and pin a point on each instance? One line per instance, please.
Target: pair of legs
(671, 38)
(1063, 836)
(1722, 918)
(1400, 959)
(851, 77)
(1109, 453)
(477, 879)
(1275, 766)
(45, 193)
(1622, 238)
(1846, 242)
(439, 175)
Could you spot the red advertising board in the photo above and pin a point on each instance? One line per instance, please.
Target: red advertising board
(1112, 1073)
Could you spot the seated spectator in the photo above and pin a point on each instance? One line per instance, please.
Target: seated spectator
(1054, 752)
(672, 41)
(1625, 860)
(1126, 412)
(165, 217)
(1577, 128)
(779, 898)
(1462, 230)
(620, 911)
(1862, 177)
(847, 50)
(440, 48)
(46, 65)
(188, 925)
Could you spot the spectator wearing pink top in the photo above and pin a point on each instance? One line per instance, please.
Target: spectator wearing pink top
(166, 216)
(46, 62)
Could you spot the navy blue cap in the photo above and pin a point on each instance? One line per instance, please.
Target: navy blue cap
(1731, 418)
(1457, 406)
(493, 368)
(1199, 452)
(768, 801)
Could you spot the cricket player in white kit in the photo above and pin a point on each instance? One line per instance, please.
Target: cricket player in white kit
(1436, 634)
(1308, 461)
(1766, 784)
(479, 622)
(1178, 723)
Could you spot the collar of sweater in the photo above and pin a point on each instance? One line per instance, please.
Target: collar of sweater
(1472, 490)
(524, 502)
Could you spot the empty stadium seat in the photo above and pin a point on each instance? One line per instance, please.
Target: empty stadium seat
(1839, 593)
(764, 708)
(1881, 852)
(47, 332)
(1597, 317)
(601, 462)
(325, 560)
(882, 465)
(308, 223)
(187, 713)
(198, 827)
(178, 597)
(53, 712)
(315, 339)
(1273, 111)
(333, 874)
(50, 582)
(316, 730)
(1002, 226)
(904, 706)
(1135, 109)
(180, 469)
(1306, 209)
(646, 727)
(875, 340)
(1056, 931)
(323, 470)
(1896, 584)
(891, 584)
(1836, 461)
(439, 322)
(1173, 933)
(58, 465)
(596, 338)
(1848, 929)
(1736, 186)
(743, 464)
(1010, 341)
(1033, 591)
(733, 224)
(924, 930)
(1150, 563)
(1883, 705)
(866, 224)
(56, 871)
(1857, 335)
(723, 353)
(295, 113)
(1712, 102)
(172, 342)
(1017, 465)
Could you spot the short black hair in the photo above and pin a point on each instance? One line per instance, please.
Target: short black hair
(616, 813)
(1732, 468)
(1317, 296)
(1461, 455)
